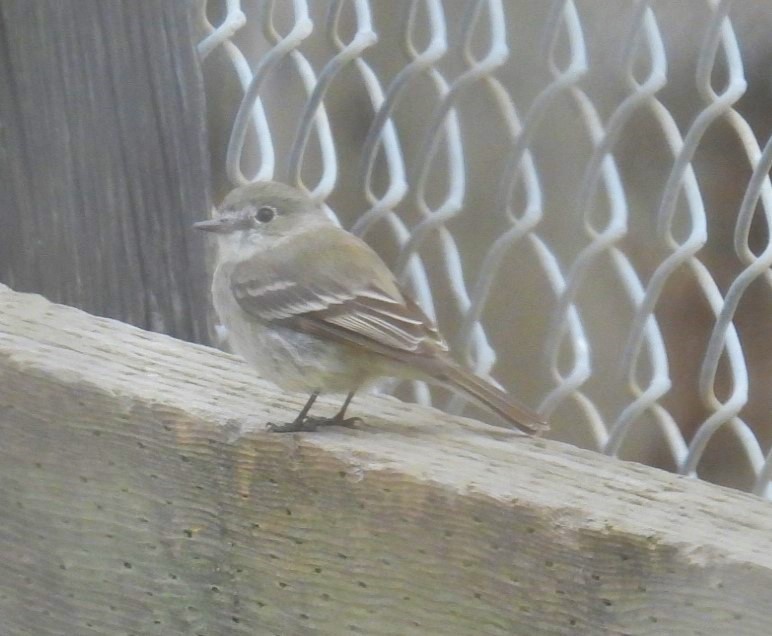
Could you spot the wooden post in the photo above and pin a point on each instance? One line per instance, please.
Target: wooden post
(104, 159)
(140, 495)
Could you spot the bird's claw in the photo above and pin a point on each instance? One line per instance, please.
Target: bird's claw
(310, 424)
(348, 422)
(297, 426)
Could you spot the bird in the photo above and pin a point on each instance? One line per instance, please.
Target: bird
(313, 308)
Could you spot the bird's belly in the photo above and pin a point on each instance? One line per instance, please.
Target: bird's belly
(294, 361)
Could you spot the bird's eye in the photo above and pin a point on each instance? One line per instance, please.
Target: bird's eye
(265, 214)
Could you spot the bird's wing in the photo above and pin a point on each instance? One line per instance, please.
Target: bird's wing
(334, 286)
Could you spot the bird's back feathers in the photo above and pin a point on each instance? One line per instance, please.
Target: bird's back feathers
(341, 285)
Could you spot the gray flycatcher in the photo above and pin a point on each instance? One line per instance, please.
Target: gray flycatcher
(313, 308)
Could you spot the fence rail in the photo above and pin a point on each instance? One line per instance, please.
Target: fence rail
(142, 495)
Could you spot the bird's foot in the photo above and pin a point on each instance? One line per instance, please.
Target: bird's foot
(297, 426)
(309, 424)
(348, 422)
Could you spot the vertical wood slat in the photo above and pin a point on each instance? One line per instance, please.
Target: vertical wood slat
(103, 159)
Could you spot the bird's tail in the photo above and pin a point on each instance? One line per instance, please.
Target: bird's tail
(494, 400)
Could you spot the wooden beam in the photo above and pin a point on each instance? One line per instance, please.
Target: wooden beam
(140, 494)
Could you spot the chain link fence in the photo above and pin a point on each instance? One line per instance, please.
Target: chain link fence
(577, 191)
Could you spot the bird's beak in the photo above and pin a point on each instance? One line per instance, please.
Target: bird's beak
(219, 226)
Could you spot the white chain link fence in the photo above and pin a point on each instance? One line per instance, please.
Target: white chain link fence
(578, 191)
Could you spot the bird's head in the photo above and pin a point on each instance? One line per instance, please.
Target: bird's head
(262, 211)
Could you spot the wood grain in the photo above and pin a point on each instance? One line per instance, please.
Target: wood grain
(140, 495)
(104, 159)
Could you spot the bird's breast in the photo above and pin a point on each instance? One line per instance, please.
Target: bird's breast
(293, 360)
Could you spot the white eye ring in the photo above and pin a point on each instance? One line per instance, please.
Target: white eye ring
(265, 214)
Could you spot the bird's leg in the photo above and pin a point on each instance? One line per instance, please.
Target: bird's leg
(339, 419)
(301, 422)
(306, 423)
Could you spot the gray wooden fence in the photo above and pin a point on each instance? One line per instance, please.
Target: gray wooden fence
(103, 159)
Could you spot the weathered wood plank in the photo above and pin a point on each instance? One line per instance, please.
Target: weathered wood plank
(139, 495)
(104, 159)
